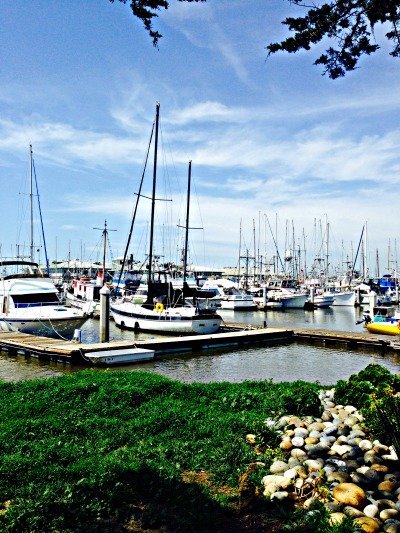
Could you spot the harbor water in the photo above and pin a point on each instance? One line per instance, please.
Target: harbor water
(281, 362)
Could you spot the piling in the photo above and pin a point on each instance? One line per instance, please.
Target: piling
(104, 314)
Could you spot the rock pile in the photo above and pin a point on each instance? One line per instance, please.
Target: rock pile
(332, 459)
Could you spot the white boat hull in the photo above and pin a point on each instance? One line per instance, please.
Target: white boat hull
(237, 304)
(91, 308)
(120, 356)
(60, 321)
(173, 320)
(294, 302)
(347, 299)
(321, 302)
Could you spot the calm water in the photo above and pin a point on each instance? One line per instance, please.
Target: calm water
(279, 363)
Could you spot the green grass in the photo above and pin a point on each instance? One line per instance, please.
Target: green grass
(95, 451)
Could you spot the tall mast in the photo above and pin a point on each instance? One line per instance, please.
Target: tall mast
(31, 201)
(187, 223)
(153, 197)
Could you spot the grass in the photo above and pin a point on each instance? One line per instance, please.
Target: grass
(121, 451)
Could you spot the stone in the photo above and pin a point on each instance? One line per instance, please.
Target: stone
(352, 511)
(368, 525)
(273, 483)
(298, 453)
(278, 467)
(298, 442)
(314, 465)
(386, 514)
(349, 494)
(336, 518)
(280, 495)
(371, 510)
(251, 438)
(338, 449)
(391, 526)
(387, 486)
(365, 445)
(341, 477)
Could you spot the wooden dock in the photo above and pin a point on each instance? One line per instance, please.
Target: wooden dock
(231, 335)
(16, 343)
(347, 339)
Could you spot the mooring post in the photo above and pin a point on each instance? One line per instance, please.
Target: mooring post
(312, 295)
(104, 314)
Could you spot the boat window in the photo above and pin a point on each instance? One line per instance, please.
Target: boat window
(27, 300)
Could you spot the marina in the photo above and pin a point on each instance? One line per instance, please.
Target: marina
(295, 344)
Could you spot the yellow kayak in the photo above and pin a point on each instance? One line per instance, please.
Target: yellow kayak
(384, 328)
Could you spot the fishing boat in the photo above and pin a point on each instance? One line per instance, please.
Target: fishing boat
(29, 302)
(84, 293)
(343, 298)
(166, 310)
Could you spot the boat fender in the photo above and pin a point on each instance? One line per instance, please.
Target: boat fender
(398, 324)
(159, 308)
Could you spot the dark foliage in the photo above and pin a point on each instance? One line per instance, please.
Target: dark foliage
(349, 24)
(146, 10)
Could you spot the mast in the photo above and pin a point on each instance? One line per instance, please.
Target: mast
(105, 235)
(31, 201)
(187, 224)
(153, 197)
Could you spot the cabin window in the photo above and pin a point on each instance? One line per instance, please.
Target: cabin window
(29, 300)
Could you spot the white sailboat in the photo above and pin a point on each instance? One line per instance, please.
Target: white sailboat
(166, 310)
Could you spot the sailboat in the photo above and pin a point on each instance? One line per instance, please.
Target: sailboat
(29, 300)
(167, 309)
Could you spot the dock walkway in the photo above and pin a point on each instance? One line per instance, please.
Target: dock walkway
(231, 335)
(72, 352)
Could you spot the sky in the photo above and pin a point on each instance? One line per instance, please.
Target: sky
(283, 158)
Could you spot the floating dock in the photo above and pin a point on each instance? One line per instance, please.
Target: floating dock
(16, 343)
(231, 335)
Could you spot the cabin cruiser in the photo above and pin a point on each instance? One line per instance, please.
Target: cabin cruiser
(29, 303)
(229, 296)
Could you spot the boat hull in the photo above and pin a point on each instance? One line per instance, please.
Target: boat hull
(89, 307)
(44, 326)
(347, 299)
(120, 356)
(133, 316)
(294, 302)
(384, 328)
(236, 304)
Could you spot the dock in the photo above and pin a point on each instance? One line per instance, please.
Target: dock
(46, 348)
(230, 336)
(349, 340)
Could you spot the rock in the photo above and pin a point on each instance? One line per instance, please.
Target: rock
(391, 526)
(280, 495)
(371, 510)
(298, 442)
(341, 477)
(386, 514)
(251, 439)
(278, 467)
(273, 483)
(349, 494)
(369, 525)
(336, 518)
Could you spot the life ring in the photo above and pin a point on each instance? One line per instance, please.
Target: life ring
(159, 308)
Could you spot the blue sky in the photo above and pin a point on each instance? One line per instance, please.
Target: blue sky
(272, 141)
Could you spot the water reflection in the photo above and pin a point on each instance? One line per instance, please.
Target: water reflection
(287, 362)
